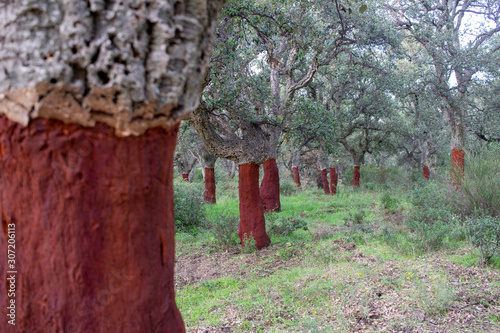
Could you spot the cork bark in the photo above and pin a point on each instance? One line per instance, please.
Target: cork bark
(334, 176)
(209, 194)
(252, 221)
(356, 176)
(132, 65)
(426, 171)
(94, 231)
(270, 186)
(457, 166)
(296, 175)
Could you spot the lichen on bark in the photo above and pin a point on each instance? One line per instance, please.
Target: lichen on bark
(130, 64)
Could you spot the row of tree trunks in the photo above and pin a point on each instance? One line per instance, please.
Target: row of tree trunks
(95, 232)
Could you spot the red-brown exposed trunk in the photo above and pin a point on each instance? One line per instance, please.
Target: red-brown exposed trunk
(209, 194)
(334, 177)
(252, 221)
(356, 176)
(185, 176)
(270, 186)
(426, 172)
(324, 180)
(457, 166)
(94, 228)
(296, 175)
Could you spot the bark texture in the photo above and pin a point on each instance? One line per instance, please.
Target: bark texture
(94, 224)
(209, 194)
(324, 180)
(185, 177)
(426, 172)
(334, 177)
(270, 186)
(252, 221)
(356, 176)
(130, 64)
(296, 175)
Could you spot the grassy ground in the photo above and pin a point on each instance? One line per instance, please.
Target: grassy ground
(338, 276)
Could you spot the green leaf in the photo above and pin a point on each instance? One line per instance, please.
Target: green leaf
(363, 9)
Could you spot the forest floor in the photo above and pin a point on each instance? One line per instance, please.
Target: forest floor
(339, 276)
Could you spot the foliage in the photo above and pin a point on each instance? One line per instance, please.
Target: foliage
(484, 232)
(224, 227)
(279, 225)
(431, 218)
(188, 210)
(480, 186)
(288, 188)
(389, 202)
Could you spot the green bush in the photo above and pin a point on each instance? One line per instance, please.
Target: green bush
(224, 228)
(279, 225)
(389, 202)
(484, 233)
(288, 188)
(431, 218)
(189, 209)
(480, 186)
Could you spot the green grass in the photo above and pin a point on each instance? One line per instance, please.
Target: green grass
(343, 274)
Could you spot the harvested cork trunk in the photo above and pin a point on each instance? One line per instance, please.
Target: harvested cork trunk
(252, 221)
(270, 187)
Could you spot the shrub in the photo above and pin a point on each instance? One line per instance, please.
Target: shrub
(288, 188)
(279, 225)
(484, 232)
(224, 228)
(480, 185)
(431, 217)
(189, 211)
(389, 202)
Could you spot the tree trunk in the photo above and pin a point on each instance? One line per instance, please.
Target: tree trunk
(209, 194)
(457, 166)
(185, 177)
(324, 180)
(296, 175)
(356, 176)
(426, 172)
(333, 180)
(270, 187)
(252, 221)
(94, 231)
(229, 168)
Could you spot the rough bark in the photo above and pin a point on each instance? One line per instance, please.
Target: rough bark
(296, 175)
(356, 176)
(132, 65)
(324, 180)
(426, 171)
(252, 221)
(209, 194)
(94, 232)
(270, 187)
(333, 180)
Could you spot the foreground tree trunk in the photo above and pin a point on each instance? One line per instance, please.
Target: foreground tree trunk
(95, 238)
(270, 187)
(90, 101)
(252, 221)
(356, 176)
(334, 176)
